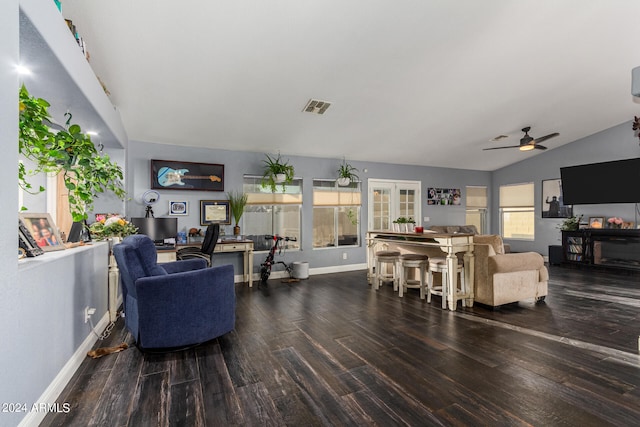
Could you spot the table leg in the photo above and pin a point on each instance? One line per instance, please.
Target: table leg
(249, 266)
(452, 282)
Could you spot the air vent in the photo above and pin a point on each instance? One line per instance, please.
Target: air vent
(316, 107)
(498, 138)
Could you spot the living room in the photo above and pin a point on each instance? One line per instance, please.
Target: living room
(27, 308)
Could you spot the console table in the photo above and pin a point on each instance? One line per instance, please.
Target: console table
(615, 248)
(451, 244)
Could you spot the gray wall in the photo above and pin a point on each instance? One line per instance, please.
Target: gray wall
(12, 300)
(237, 164)
(615, 143)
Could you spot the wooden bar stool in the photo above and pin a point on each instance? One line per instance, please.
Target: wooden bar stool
(412, 261)
(383, 258)
(439, 265)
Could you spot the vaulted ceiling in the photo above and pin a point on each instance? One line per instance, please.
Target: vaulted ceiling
(411, 82)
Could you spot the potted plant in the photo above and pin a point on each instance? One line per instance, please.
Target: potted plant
(571, 224)
(276, 172)
(86, 171)
(237, 202)
(346, 174)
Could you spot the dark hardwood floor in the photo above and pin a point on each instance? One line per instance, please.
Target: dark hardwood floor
(329, 351)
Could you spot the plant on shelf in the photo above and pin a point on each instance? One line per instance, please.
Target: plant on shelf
(237, 202)
(112, 227)
(347, 174)
(276, 171)
(86, 172)
(571, 224)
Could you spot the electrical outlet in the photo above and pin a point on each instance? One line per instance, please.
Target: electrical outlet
(344, 255)
(427, 219)
(88, 312)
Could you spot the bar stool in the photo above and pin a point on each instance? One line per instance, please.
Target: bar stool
(382, 259)
(439, 265)
(412, 261)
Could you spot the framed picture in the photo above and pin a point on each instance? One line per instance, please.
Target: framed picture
(173, 175)
(178, 208)
(596, 222)
(552, 206)
(43, 231)
(444, 196)
(214, 211)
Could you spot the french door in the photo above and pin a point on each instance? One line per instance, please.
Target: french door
(390, 199)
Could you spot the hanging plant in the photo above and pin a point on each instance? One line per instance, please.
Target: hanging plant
(346, 174)
(86, 172)
(276, 171)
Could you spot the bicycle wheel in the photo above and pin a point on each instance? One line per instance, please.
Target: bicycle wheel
(265, 271)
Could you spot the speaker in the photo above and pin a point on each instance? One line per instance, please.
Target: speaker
(635, 81)
(555, 255)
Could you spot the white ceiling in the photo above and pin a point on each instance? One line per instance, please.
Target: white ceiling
(419, 82)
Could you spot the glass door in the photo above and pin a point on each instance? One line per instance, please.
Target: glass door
(389, 200)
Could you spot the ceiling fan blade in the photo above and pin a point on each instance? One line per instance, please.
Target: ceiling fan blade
(500, 148)
(544, 138)
(539, 147)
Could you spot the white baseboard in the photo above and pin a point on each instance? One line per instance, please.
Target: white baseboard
(282, 274)
(52, 392)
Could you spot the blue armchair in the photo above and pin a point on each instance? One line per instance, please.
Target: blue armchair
(174, 304)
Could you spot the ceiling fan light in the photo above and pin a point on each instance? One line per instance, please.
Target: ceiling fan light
(527, 147)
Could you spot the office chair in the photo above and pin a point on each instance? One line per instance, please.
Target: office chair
(206, 250)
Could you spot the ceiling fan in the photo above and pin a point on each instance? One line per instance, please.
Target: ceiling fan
(527, 142)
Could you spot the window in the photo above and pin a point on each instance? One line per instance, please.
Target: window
(270, 213)
(336, 213)
(389, 200)
(476, 208)
(517, 218)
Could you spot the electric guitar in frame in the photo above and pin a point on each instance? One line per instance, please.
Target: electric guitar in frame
(168, 176)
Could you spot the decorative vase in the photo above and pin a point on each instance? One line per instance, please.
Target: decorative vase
(343, 182)
(236, 230)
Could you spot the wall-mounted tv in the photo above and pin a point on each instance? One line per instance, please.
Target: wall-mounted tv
(597, 183)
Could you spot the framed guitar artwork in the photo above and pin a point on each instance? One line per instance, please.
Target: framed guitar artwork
(175, 175)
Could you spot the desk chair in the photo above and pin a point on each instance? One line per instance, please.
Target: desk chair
(208, 245)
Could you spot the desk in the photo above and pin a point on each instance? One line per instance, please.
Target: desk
(244, 246)
(169, 255)
(420, 243)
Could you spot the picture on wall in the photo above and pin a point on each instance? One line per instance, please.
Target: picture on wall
(178, 208)
(174, 175)
(444, 196)
(552, 206)
(214, 211)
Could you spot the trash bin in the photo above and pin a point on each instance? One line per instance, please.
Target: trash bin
(300, 270)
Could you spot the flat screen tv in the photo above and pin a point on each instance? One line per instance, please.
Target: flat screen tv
(158, 229)
(597, 183)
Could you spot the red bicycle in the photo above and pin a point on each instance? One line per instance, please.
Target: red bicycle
(265, 267)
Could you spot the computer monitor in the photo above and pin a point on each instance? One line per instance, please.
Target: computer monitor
(158, 229)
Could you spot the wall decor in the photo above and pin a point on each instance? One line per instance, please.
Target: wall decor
(552, 206)
(178, 208)
(444, 196)
(175, 175)
(214, 211)
(43, 231)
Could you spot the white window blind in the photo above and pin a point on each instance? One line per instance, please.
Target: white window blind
(517, 196)
(476, 197)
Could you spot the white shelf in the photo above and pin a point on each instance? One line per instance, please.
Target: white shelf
(62, 75)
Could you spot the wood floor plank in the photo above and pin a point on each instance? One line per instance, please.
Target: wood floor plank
(331, 351)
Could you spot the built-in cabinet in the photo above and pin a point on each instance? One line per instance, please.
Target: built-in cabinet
(614, 248)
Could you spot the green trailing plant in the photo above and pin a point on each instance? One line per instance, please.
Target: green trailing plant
(272, 168)
(86, 172)
(237, 202)
(348, 172)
